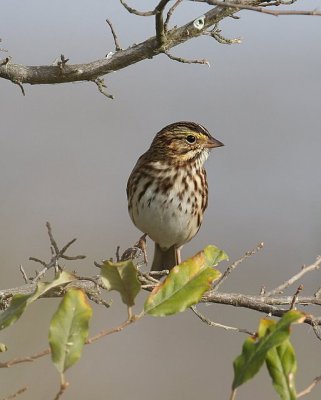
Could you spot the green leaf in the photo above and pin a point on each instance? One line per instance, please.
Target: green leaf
(14, 311)
(69, 329)
(19, 302)
(281, 364)
(122, 277)
(44, 287)
(185, 283)
(255, 350)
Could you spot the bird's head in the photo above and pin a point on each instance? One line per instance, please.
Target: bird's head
(184, 141)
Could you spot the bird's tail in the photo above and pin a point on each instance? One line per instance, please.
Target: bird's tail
(165, 259)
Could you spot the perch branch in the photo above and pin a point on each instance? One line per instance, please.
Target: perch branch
(50, 74)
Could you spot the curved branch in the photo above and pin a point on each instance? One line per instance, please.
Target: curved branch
(161, 43)
(50, 74)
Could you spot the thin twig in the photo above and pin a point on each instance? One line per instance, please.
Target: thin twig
(117, 45)
(261, 9)
(38, 261)
(62, 389)
(10, 363)
(16, 394)
(136, 12)
(295, 297)
(103, 333)
(51, 238)
(102, 86)
(215, 33)
(305, 269)
(231, 267)
(116, 329)
(24, 275)
(98, 300)
(217, 325)
(185, 60)
(310, 387)
(18, 83)
(170, 13)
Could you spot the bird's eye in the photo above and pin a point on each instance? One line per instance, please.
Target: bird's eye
(191, 139)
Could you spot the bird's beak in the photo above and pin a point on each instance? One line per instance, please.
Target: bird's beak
(212, 142)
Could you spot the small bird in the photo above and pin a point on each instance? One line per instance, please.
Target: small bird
(167, 190)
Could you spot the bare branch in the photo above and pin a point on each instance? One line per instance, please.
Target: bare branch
(310, 387)
(305, 269)
(51, 238)
(20, 85)
(217, 325)
(295, 297)
(159, 21)
(90, 72)
(231, 267)
(10, 363)
(24, 275)
(262, 9)
(63, 388)
(38, 261)
(131, 319)
(185, 60)
(136, 12)
(170, 13)
(16, 394)
(102, 86)
(215, 33)
(117, 45)
(56, 255)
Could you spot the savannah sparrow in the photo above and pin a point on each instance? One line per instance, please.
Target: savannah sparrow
(167, 189)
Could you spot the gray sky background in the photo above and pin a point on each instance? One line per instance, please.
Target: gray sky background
(66, 153)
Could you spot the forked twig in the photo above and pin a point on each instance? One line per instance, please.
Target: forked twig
(56, 255)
